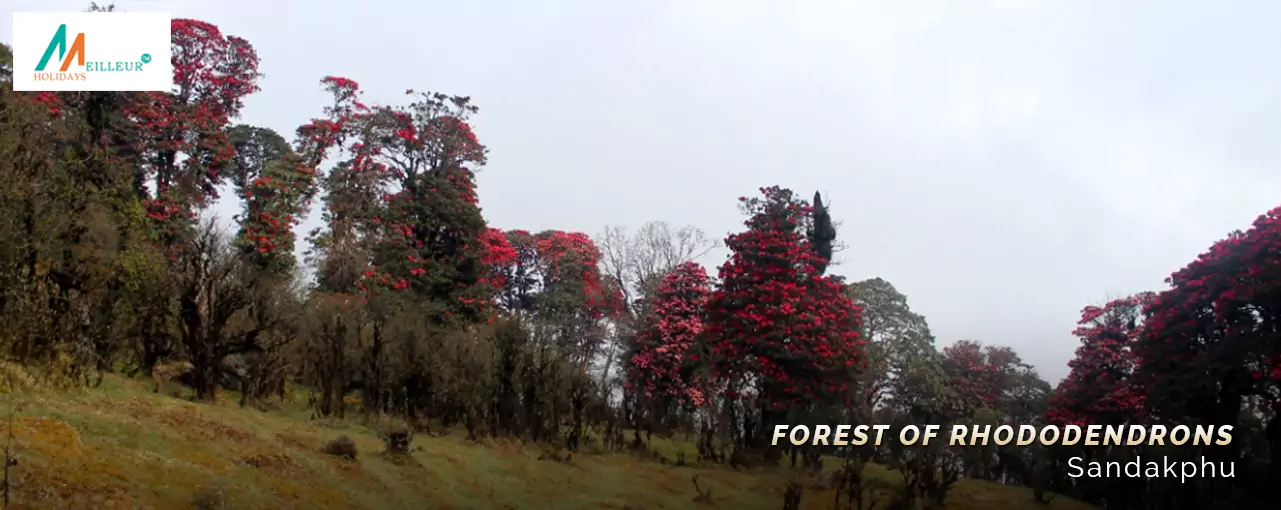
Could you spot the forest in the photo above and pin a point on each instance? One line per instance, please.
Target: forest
(409, 310)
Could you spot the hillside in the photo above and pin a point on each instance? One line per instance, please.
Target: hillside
(121, 446)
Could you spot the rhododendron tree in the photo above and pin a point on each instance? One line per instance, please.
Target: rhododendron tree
(1100, 389)
(50, 100)
(180, 137)
(660, 368)
(276, 186)
(404, 232)
(497, 255)
(571, 264)
(435, 236)
(1209, 342)
(976, 380)
(406, 191)
(552, 281)
(342, 249)
(635, 262)
(554, 273)
(992, 377)
(775, 318)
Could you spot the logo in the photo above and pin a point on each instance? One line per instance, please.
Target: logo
(59, 44)
(103, 51)
(77, 53)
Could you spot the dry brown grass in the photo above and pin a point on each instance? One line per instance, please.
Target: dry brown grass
(122, 447)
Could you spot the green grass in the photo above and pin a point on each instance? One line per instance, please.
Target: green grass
(120, 446)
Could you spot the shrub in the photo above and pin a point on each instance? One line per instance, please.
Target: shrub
(209, 498)
(343, 447)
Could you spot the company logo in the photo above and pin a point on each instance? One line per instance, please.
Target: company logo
(59, 43)
(77, 53)
(111, 51)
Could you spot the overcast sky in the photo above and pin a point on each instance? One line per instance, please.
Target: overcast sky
(1003, 163)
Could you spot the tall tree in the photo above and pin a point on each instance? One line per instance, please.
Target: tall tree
(822, 234)
(993, 377)
(775, 318)
(636, 262)
(275, 186)
(1211, 346)
(1211, 340)
(1100, 388)
(661, 368)
(904, 369)
(183, 148)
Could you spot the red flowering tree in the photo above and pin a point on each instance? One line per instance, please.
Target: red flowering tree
(775, 317)
(404, 231)
(660, 368)
(403, 201)
(992, 377)
(1100, 389)
(180, 138)
(1209, 341)
(276, 185)
(341, 249)
(554, 273)
(497, 255)
(975, 379)
(552, 282)
(574, 301)
(571, 267)
(435, 243)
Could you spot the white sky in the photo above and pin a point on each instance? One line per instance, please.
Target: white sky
(1003, 163)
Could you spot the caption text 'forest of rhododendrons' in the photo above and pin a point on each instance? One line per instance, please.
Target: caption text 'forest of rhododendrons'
(1023, 435)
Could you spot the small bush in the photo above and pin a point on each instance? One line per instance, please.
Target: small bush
(343, 447)
(562, 455)
(209, 498)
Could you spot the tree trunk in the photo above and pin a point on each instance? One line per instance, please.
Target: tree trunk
(205, 376)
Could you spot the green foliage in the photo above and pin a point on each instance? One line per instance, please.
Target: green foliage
(905, 370)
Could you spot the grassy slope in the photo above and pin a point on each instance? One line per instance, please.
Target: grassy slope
(120, 446)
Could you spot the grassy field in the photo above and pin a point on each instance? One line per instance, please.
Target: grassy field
(120, 446)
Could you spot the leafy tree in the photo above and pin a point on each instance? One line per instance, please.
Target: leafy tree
(661, 369)
(180, 141)
(904, 369)
(553, 282)
(1208, 352)
(1100, 389)
(635, 263)
(822, 234)
(276, 186)
(993, 377)
(775, 318)
(1210, 341)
